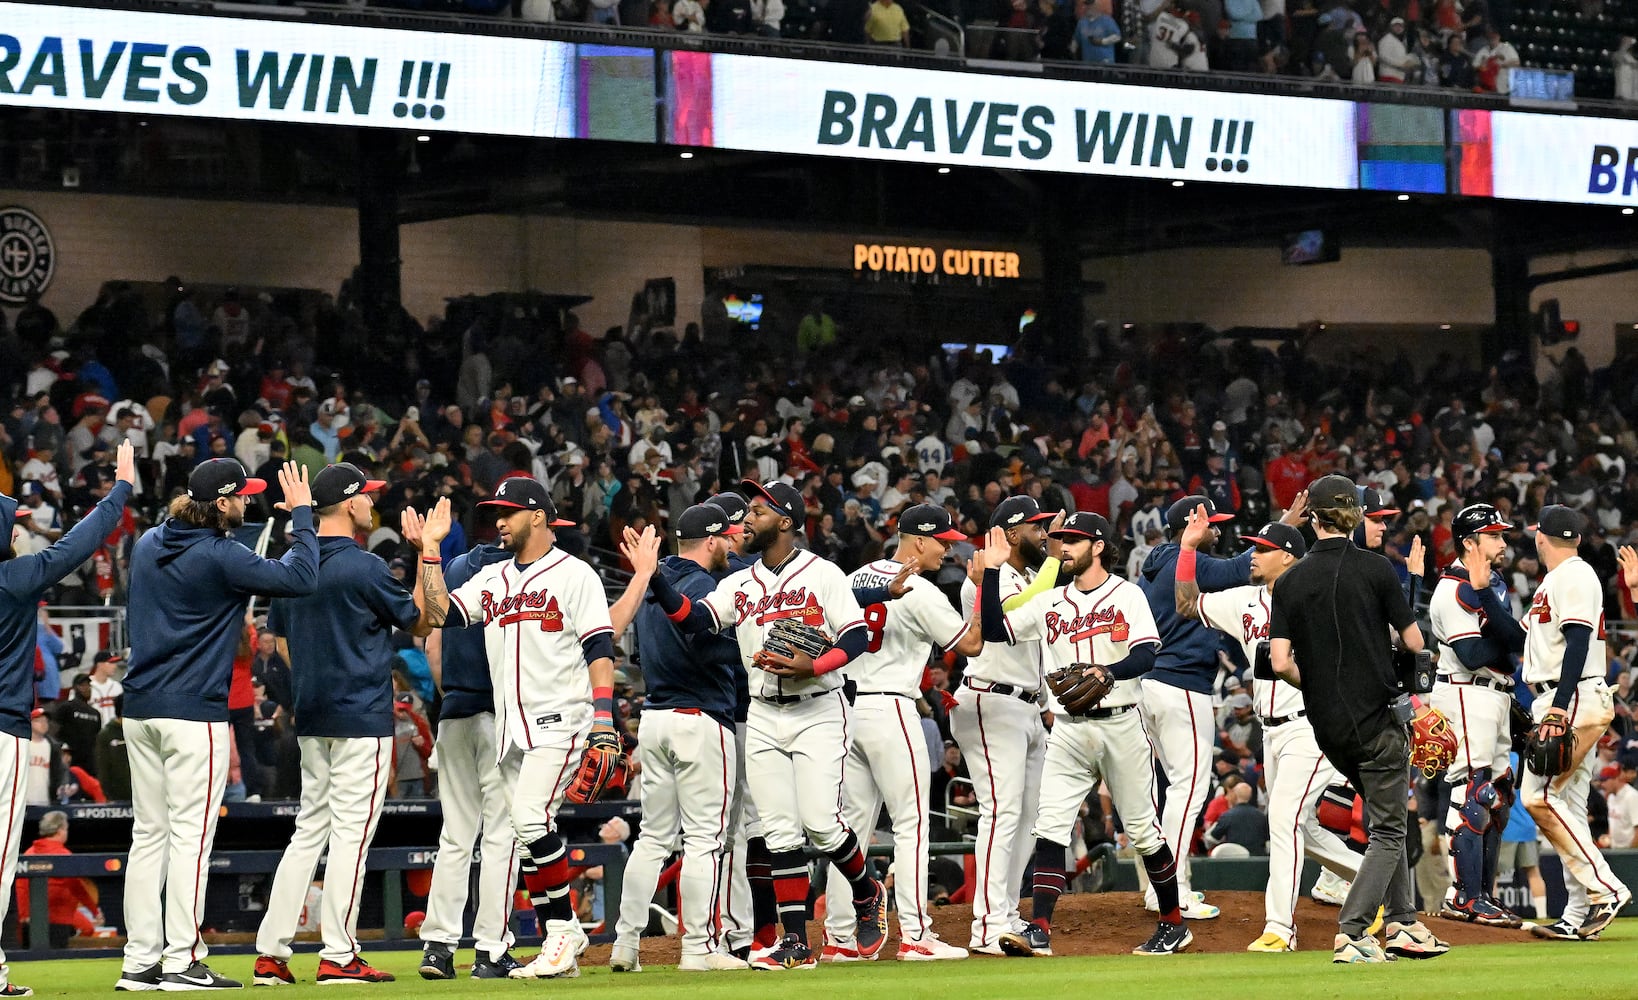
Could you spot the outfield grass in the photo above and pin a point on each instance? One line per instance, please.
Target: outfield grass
(1538, 971)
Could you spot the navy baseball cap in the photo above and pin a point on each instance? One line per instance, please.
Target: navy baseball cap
(222, 477)
(1374, 504)
(704, 520)
(1279, 536)
(1013, 511)
(10, 511)
(733, 505)
(523, 493)
(1177, 515)
(782, 497)
(929, 521)
(1559, 521)
(341, 482)
(1083, 524)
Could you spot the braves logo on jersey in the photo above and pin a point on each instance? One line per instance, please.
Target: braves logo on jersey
(1541, 608)
(510, 610)
(796, 603)
(1093, 623)
(1255, 631)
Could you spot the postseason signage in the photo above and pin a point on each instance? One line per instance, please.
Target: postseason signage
(931, 116)
(1564, 158)
(281, 70)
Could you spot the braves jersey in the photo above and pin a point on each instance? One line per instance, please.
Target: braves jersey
(804, 587)
(1569, 595)
(536, 621)
(1102, 626)
(900, 632)
(1018, 664)
(1455, 618)
(1242, 615)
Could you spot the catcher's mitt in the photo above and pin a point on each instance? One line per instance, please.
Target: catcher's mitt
(1433, 742)
(603, 765)
(1080, 686)
(1551, 749)
(787, 637)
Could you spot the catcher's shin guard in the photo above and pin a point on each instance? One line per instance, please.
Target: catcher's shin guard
(1468, 838)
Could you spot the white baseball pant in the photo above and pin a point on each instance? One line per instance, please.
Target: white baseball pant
(1297, 774)
(535, 781)
(734, 900)
(471, 795)
(887, 765)
(343, 784)
(1079, 753)
(1559, 805)
(1184, 731)
(178, 776)
(689, 774)
(794, 758)
(14, 787)
(1004, 744)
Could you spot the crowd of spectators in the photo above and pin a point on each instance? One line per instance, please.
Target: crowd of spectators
(631, 427)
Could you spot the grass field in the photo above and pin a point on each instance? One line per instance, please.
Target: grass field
(1594, 971)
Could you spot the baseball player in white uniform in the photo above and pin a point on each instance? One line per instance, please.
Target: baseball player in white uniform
(1477, 639)
(551, 655)
(997, 721)
(800, 724)
(1295, 772)
(1104, 620)
(1564, 663)
(888, 762)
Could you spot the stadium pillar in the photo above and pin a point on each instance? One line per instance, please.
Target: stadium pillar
(380, 166)
(1061, 306)
(1510, 285)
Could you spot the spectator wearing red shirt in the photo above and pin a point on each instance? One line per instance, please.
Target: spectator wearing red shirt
(1286, 475)
(242, 712)
(64, 896)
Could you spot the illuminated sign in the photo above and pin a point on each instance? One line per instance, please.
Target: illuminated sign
(890, 259)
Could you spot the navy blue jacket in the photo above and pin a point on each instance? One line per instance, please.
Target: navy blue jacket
(340, 637)
(467, 688)
(1188, 649)
(22, 581)
(189, 589)
(700, 670)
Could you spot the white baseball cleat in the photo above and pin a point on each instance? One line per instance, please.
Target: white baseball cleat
(711, 961)
(558, 954)
(993, 948)
(1330, 888)
(929, 949)
(623, 958)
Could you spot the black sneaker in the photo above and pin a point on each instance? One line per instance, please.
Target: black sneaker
(144, 981)
(437, 962)
(872, 930)
(1168, 939)
(499, 967)
(1033, 940)
(1558, 930)
(197, 976)
(794, 953)
(13, 990)
(743, 954)
(1599, 915)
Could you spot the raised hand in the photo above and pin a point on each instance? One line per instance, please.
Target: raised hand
(125, 462)
(1299, 507)
(1416, 562)
(1197, 530)
(1628, 558)
(410, 524)
(642, 550)
(900, 584)
(997, 550)
(1054, 545)
(436, 526)
(298, 492)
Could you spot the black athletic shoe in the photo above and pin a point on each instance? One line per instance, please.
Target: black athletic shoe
(197, 976)
(1168, 939)
(743, 954)
(437, 962)
(1033, 940)
(872, 925)
(1558, 930)
(499, 967)
(1599, 915)
(13, 990)
(791, 953)
(145, 981)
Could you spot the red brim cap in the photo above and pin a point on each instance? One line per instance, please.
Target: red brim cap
(372, 485)
(22, 512)
(251, 487)
(950, 536)
(1385, 512)
(1045, 515)
(507, 504)
(736, 529)
(757, 488)
(1219, 518)
(560, 523)
(1497, 529)
(1264, 543)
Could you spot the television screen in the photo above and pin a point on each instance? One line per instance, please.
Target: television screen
(744, 309)
(997, 352)
(1311, 246)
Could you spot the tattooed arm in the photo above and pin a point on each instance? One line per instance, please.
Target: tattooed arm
(431, 596)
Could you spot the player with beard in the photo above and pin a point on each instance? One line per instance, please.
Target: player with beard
(797, 725)
(190, 583)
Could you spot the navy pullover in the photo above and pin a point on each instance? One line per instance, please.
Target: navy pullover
(1188, 649)
(189, 589)
(698, 670)
(468, 691)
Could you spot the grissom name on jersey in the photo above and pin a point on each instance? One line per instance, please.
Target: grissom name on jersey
(536, 619)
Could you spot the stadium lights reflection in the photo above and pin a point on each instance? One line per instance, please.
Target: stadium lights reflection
(1626, 211)
(943, 170)
(1177, 184)
(1444, 326)
(423, 138)
(685, 154)
(1404, 197)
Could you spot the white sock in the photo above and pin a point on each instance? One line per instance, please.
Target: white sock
(1540, 903)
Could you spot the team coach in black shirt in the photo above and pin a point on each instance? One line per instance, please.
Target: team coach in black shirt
(1329, 629)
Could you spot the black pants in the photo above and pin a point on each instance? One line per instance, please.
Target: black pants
(243, 721)
(1379, 770)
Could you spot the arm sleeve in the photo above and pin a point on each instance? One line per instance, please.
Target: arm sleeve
(687, 615)
(1139, 660)
(1045, 579)
(1577, 637)
(591, 614)
(1477, 651)
(1220, 574)
(866, 596)
(1500, 626)
(293, 575)
(991, 618)
(27, 576)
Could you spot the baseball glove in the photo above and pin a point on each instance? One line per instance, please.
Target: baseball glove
(602, 765)
(1551, 749)
(1080, 686)
(787, 637)
(1433, 742)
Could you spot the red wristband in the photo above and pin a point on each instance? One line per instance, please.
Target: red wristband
(1185, 565)
(432, 560)
(833, 659)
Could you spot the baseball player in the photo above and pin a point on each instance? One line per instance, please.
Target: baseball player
(1477, 639)
(338, 642)
(1295, 772)
(551, 656)
(1564, 662)
(888, 762)
(1176, 701)
(1102, 620)
(473, 796)
(190, 584)
(23, 579)
(685, 745)
(997, 722)
(799, 722)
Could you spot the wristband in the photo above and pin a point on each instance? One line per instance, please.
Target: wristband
(832, 659)
(603, 706)
(432, 560)
(1185, 565)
